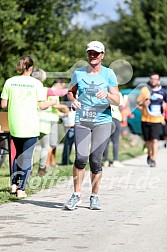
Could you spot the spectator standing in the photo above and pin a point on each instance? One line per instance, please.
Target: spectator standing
(115, 135)
(21, 95)
(97, 88)
(46, 117)
(126, 113)
(68, 123)
(151, 101)
(45, 129)
(58, 111)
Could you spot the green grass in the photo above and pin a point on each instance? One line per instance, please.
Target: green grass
(127, 150)
(35, 183)
(57, 175)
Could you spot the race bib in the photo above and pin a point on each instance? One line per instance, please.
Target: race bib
(88, 114)
(154, 110)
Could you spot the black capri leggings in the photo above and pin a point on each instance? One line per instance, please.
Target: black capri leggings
(94, 138)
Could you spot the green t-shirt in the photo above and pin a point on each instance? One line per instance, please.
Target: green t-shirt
(23, 94)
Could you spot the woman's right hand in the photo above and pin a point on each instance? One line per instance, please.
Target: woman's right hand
(75, 105)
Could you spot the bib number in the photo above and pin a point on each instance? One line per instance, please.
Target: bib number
(88, 114)
(156, 110)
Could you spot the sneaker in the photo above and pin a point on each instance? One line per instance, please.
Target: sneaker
(106, 163)
(74, 201)
(148, 160)
(21, 194)
(152, 163)
(117, 164)
(41, 172)
(94, 203)
(14, 189)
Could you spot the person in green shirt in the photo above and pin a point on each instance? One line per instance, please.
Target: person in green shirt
(23, 95)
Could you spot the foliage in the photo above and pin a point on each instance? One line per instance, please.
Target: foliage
(38, 28)
(141, 34)
(44, 30)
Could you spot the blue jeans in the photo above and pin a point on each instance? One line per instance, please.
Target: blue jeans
(22, 164)
(115, 140)
(68, 142)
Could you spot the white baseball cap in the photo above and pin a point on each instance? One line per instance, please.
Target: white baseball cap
(95, 46)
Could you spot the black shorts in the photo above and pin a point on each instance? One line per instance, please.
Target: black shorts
(151, 130)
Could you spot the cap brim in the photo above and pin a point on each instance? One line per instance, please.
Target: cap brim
(94, 49)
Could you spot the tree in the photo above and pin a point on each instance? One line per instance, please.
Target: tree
(38, 28)
(11, 38)
(141, 34)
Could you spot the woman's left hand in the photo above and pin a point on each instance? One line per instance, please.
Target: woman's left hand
(102, 94)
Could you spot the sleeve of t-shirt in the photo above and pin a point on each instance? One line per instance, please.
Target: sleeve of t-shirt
(144, 94)
(57, 92)
(41, 91)
(4, 94)
(112, 78)
(74, 80)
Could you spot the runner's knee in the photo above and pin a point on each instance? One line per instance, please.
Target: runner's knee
(80, 162)
(95, 165)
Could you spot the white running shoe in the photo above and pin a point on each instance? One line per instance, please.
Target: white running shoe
(94, 203)
(74, 201)
(106, 163)
(117, 164)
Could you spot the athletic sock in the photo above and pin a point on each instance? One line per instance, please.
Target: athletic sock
(94, 194)
(77, 194)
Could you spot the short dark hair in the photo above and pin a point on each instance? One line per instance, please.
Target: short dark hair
(155, 73)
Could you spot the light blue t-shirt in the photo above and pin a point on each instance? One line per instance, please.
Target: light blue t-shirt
(93, 110)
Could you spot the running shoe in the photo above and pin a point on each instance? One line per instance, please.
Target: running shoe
(117, 164)
(106, 163)
(148, 160)
(74, 201)
(14, 189)
(94, 203)
(21, 194)
(152, 163)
